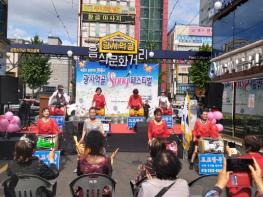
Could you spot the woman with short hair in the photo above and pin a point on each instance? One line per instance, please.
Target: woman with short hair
(167, 166)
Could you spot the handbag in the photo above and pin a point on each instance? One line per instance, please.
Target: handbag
(164, 190)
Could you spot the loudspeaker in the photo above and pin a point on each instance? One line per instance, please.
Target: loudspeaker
(213, 95)
(141, 127)
(8, 90)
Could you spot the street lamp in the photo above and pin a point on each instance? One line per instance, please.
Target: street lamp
(151, 54)
(70, 54)
(218, 5)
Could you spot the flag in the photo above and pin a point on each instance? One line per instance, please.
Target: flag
(185, 123)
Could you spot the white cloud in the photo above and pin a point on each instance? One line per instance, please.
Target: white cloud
(18, 33)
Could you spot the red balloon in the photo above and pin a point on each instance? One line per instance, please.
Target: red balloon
(220, 127)
(210, 116)
(13, 128)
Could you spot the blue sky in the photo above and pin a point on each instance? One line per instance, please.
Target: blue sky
(29, 17)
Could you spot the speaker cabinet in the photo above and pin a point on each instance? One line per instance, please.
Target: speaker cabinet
(8, 90)
(213, 95)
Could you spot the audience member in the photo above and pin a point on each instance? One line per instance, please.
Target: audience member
(167, 166)
(25, 163)
(94, 160)
(223, 178)
(147, 168)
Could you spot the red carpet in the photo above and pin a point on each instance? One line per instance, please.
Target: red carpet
(123, 128)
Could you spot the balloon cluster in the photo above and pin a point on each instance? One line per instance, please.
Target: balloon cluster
(213, 117)
(9, 122)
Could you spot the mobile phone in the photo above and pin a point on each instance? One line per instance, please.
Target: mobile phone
(239, 165)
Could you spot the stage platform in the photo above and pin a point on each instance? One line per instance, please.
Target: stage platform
(127, 140)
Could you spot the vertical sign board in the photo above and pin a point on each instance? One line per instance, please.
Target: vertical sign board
(210, 163)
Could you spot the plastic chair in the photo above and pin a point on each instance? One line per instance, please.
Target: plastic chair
(28, 185)
(92, 184)
(203, 183)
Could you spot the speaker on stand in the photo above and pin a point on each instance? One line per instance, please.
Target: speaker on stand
(213, 95)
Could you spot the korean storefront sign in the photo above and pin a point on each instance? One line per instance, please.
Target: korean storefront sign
(109, 18)
(108, 9)
(118, 43)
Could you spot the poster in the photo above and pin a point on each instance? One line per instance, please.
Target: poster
(251, 101)
(117, 85)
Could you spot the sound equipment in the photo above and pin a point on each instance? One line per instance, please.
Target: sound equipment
(141, 127)
(213, 95)
(208, 145)
(8, 90)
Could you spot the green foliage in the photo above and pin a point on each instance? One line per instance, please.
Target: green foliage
(198, 71)
(35, 70)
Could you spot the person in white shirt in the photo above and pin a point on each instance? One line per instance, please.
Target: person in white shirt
(59, 96)
(167, 166)
(164, 104)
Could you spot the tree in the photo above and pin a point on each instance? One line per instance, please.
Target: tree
(35, 70)
(198, 71)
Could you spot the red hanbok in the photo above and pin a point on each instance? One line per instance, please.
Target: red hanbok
(157, 130)
(99, 101)
(135, 103)
(49, 127)
(207, 129)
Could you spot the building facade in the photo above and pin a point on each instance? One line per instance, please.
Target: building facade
(144, 20)
(3, 34)
(185, 38)
(238, 64)
(206, 12)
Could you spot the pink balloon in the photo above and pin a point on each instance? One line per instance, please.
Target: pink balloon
(4, 124)
(218, 115)
(12, 128)
(210, 115)
(213, 121)
(15, 120)
(220, 127)
(9, 115)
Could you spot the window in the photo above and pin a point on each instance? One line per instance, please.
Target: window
(144, 13)
(145, 3)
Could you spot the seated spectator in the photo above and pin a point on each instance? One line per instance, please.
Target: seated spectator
(94, 160)
(156, 146)
(167, 166)
(223, 178)
(25, 163)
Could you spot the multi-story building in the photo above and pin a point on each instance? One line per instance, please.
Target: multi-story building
(145, 20)
(238, 63)
(206, 12)
(185, 38)
(99, 18)
(3, 34)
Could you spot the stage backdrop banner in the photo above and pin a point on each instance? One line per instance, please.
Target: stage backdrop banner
(117, 85)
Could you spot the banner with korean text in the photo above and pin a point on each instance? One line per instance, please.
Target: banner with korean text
(117, 84)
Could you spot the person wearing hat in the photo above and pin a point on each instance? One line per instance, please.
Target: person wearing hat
(135, 104)
(61, 97)
(164, 104)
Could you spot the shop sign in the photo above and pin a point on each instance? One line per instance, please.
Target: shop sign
(235, 64)
(108, 9)
(117, 60)
(118, 43)
(108, 18)
(23, 50)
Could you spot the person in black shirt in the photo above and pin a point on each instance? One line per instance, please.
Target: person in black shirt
(146, 108)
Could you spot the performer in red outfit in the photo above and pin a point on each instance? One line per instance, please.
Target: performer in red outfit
(46, 125)
(157, 128)
(203, 128)
(135, 104)
(99, 102)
